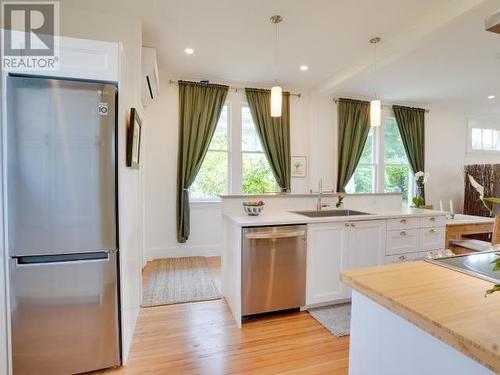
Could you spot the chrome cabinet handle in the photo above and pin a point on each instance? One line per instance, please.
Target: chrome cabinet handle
(403, 221)
(402, 258)
(403, 233)
(347, 224)
(432, 231)
(432, 219)
(274, 235)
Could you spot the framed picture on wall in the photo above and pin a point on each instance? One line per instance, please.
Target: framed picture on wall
(134, 139)
(299, 166)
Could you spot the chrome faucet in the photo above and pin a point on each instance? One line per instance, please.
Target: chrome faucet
(320, 205)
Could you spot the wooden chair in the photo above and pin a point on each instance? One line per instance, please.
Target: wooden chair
(469, 246)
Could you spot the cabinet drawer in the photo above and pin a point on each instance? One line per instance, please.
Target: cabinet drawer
(402, 223)
(432, 221)
(390, 259)
(402, 241)
(432, 238)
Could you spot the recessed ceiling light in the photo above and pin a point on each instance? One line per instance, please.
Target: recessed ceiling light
(304, 68)
(189, 51)
(491, 96)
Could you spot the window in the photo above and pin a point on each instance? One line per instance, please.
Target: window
(363, 179)
(485, 139)
(212, 179)
(397, 175)
(256, 174)
(483, 136)
(383, 166)
(235, 161)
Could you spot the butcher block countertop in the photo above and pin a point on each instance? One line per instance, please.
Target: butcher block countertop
(447, 304)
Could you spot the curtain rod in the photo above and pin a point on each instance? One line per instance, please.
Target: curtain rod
(335, 100)
(236, 89)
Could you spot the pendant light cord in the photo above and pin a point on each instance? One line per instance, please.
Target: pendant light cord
(276, 55)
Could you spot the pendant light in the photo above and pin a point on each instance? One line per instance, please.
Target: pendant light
(375, 104)
(276, 90)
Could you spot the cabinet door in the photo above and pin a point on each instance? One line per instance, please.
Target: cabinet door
(366, 244)
(432, 238)
(326, 259)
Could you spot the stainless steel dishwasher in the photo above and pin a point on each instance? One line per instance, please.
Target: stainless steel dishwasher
(273, 268)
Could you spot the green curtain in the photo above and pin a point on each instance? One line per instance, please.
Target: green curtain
(200, 106)
(274, 132)
(411, 124)
(354, 126)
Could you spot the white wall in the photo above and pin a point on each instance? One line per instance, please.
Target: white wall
(446, 154)
(128, 31)
(160, 139)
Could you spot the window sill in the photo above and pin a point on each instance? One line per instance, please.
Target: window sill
(205, 201)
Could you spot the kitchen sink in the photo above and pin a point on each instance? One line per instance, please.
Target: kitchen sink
(328, 213)
(476, 264)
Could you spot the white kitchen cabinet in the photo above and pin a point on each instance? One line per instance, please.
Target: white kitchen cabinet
(366, 244)
(326, 259)
(335, 247)
(432, 238)
(403, 241)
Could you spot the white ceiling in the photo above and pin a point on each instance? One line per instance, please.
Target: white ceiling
(234, 40)
(459, 64)
(431, 50)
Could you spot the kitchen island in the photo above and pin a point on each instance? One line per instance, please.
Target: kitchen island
(420, 318)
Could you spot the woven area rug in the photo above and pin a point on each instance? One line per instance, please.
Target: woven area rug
(336, 319)
(179, 280)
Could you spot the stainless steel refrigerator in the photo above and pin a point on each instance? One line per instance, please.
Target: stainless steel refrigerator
(62, 225)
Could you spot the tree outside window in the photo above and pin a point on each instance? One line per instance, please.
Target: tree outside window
(256, 174)
(212, 179)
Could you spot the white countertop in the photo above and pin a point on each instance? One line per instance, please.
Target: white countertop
(469, 219)
(288, 217)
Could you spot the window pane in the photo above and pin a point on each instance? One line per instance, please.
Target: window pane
(256, 174)
(488, 139)
(476, 139)
(367, 155)
(219, 140)
(394, 152)
(397, 179)
(212, 177)
(496, 139)
(362, 180)
(249, 139)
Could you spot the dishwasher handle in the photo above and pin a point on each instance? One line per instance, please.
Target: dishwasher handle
(274, 235)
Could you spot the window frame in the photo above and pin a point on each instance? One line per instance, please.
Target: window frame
(276, 186)
(216, 199)
(481, 125)
(234, 102)
(379, 163)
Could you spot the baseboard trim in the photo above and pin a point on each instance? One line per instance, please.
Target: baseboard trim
(183, 251)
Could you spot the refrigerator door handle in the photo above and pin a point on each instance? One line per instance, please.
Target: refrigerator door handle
(45, 260)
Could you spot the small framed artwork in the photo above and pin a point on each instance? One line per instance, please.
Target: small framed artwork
(134, 139)
(299, 166)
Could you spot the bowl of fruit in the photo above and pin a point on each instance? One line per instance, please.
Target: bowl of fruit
(253, 208)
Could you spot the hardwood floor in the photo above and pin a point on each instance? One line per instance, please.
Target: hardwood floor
(202, 338)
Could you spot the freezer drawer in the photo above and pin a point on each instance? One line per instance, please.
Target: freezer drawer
(64, 313)
(273, 268)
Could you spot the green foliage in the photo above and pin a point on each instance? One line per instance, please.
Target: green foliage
(212, 177)
(257, 176)
(340, 198)
(397, 179)
(496, 268)
(418, 201)
(363, 179)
